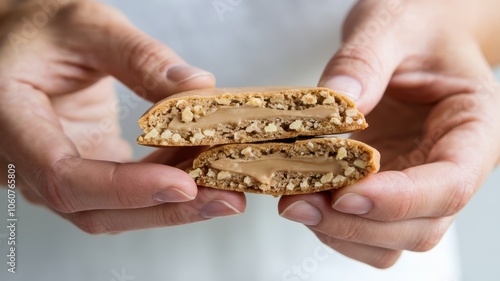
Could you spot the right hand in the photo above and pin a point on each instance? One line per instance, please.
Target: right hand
(60, 124)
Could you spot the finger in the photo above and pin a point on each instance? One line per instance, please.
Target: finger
(314, 210)
(363, 66)
(145, 65)
(50, 163)
(374, 256)
(173, 156)
(209, 203)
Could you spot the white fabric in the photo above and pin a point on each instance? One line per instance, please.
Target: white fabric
(256, 42)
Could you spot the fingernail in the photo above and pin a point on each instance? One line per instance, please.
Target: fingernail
(344, 84)
(353, 203)
(218, 208)
(172, 195)
(182, 73)
(303, 212)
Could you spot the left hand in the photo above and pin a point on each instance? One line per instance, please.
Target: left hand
(434, 118)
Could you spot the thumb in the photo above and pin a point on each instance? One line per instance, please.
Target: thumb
(365, 63)
(145, 65)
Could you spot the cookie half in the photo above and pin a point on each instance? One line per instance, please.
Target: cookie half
(279, 168)
(242, 115)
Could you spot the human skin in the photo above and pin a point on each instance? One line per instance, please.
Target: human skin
(60, 123)
(426, 83)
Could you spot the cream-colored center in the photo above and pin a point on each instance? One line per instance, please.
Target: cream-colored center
(264, 168)
(236, 114)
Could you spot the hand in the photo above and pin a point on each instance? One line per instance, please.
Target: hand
(59, 114)
(437, 128)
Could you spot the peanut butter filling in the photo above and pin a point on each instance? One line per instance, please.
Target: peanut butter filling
(237, 114)
(264, 168)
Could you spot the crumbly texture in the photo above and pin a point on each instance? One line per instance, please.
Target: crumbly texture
(188, 107)
(357, 161)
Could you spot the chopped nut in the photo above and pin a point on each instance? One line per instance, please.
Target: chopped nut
(341, 153)
(309, 99)
(318, 184)
(152, 134)
(211, 174)
(349, 171)
(351, 112)
(335, 120)
(195, 173)
(223, 175)
(247, 180)
(304, 184)
(290, 186)
(198, 109)
(181, 104)
(360, 163)
(253, 128)
(327, 178)
(360, 121)
(187, 115)
(197, 137)
(270, 128)
(310, 144)
(176, 137)
(264, 186)
(223, 101)
(254, 102)
(348, 120)
(247, 151)
(296, 125)
(166, 134)
(209, 133)
(338, 179)
(329, 100)
(278, 98)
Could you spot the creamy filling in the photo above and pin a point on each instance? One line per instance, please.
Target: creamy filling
(237, 114)
(264, 168)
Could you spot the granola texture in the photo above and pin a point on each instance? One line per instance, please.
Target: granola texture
(357, 160)
(192, 106)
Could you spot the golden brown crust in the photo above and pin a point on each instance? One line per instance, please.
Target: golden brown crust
(197, 104)
(357, 160)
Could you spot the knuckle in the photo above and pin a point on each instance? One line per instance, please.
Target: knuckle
(459, 197)
(430, 237)
(176, 215)
(362, 59)
(144, 56)
(386, 259)
(52, 190)
(352, 230)
(90, 223)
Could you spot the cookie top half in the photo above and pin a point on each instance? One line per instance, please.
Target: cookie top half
(250, 114)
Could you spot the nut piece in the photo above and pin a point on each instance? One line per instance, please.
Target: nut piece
(254, 102)
(211, 174)
(247, 151)
(338, 179)
(360, 163)
(304, 184)
(296, 125)
(195, 173)
(198, 109)
(327, 178)
(223, 101)
(270, 128)
(309, 99)
(318, 184)
(181, 104)
(176, 137)
(341, 153)
(290, 186)
(166, 134)
(187, 115)
(349, 171)
(152, 134)
(351, 112)
(348, 120)
(223, 175)
(247, 180)
(209, 133)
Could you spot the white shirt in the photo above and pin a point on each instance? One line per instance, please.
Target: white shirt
(244, 43)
